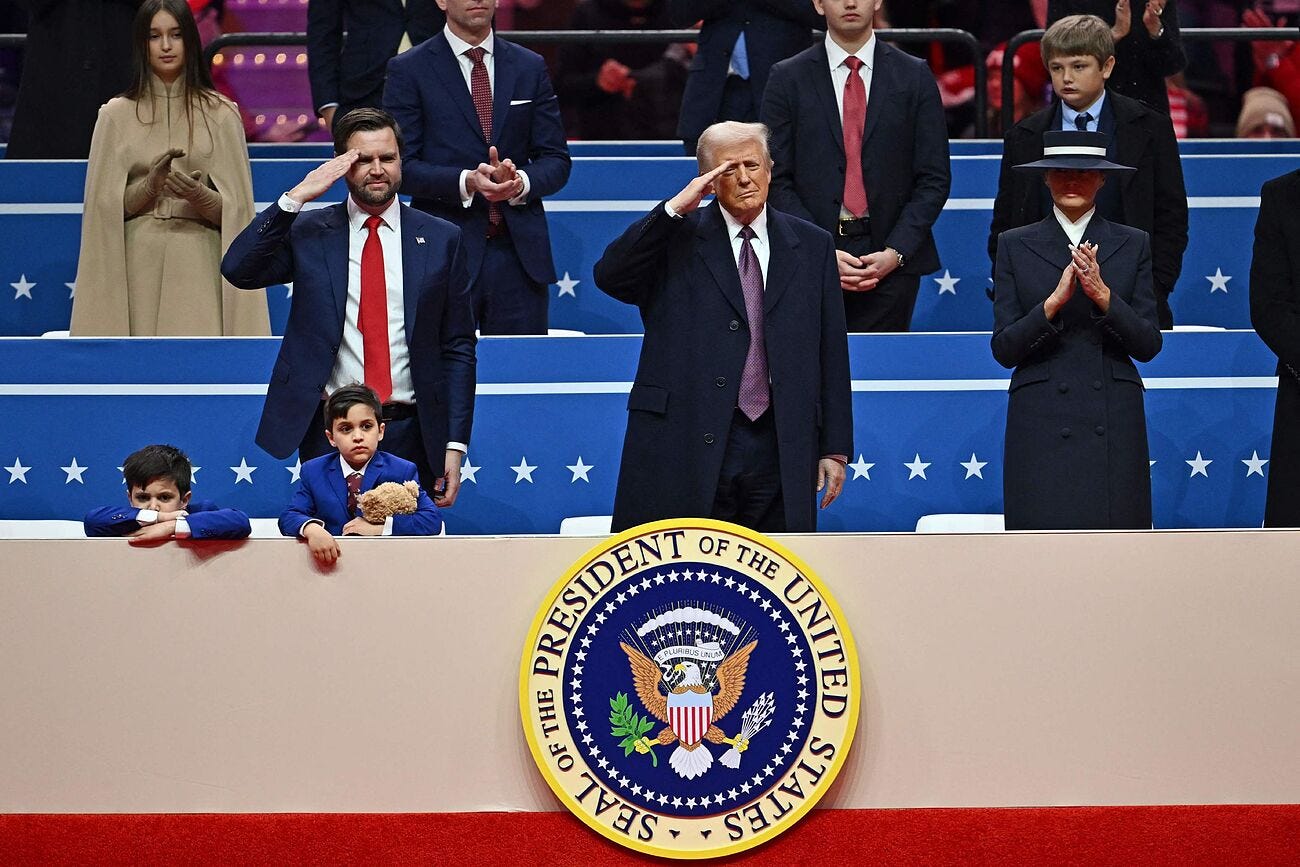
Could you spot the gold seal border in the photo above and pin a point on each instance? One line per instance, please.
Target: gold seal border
(540, 758)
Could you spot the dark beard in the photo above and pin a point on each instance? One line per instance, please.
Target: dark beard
(365, 197)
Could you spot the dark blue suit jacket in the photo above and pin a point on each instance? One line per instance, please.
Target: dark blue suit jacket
(774, 30)
(682, 274)
(206, 520)
(349, 43)
(427, 94)
(310, 249)
(904, 149)
(322, 494)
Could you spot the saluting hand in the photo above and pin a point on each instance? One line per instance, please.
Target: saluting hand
(322, 177)
(693, 193)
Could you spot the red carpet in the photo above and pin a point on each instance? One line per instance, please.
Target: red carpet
(1217, 835)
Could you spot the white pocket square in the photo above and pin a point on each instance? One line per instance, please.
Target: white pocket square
(520, 101)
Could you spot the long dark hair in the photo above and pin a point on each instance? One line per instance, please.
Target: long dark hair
(196, 81)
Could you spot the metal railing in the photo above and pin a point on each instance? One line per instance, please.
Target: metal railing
(1192, 34)
(908, 36)
(606, 37)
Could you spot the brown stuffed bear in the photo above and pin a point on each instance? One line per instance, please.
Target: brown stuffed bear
(389, 498)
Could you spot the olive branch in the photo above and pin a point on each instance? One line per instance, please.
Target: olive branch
(628, 725)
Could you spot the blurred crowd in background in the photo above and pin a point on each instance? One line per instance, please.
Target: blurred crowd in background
(634, 90)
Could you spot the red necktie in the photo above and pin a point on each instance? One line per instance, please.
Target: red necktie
(480, 90)
(354, 488)
(855, 118)
(755, 396)
(372, 320)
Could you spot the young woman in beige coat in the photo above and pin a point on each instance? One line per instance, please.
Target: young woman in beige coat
(167, 189)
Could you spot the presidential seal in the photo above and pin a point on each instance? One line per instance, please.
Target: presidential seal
(689, 689)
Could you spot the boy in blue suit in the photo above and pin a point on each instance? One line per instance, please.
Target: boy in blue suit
(158, 491)
(325, 504)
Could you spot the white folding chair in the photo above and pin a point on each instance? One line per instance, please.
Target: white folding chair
(586, 525)
(957, 523)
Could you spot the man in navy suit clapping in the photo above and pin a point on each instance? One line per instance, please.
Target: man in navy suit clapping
(485, 146)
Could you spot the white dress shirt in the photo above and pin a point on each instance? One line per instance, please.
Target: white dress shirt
(1068, 114)
(1074, 230)
(458, 48)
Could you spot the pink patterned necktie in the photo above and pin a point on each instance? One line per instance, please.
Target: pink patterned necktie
(755, 394)
(354, 488)
(480, 90)
(855, 119)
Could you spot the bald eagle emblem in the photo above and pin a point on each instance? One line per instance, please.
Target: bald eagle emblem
(692, 686)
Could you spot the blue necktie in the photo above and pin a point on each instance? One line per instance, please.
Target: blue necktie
(740, 57)
(1081, 121)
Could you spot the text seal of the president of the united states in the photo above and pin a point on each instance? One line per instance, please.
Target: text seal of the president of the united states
(689, 688)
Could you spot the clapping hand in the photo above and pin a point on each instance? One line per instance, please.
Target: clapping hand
(182, 185)
(497, 180)
(161, 167)
(322, 177)
(1088, 270)
(1151, 17)
(693, 193)
(1123, 20)
(1063, 292)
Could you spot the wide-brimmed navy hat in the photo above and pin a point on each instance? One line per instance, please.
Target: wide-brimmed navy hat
(1072, 149)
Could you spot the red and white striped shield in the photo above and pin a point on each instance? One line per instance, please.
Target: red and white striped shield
(690, 714)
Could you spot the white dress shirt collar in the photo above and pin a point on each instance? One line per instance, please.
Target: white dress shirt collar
(347, 467)
(836, 55)
(391, 216)
(1074, 231)
(1068, 114)
(460, 46)
(758, 224)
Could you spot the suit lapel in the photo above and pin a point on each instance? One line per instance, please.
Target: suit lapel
(503, 86)
(819, 76)
(375, 473)
(715, 249)
(337, 484)
(783, 260)
(413, 266)
(1108, 241)
(882, 85)
(447, 67)
(1049, 242)
(335, 242)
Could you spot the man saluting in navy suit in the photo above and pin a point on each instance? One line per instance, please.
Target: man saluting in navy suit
(742, 404)
(380, 296)
(485, 145)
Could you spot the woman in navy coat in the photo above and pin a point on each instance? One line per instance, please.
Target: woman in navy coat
(1073, 308)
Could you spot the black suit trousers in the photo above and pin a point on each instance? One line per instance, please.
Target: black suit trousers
(889, 306)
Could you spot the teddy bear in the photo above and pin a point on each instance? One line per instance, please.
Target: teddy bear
(387, 499)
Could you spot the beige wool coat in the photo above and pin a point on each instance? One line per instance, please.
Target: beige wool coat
(158, 272)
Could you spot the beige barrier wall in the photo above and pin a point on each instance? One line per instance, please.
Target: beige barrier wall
(1014, 669)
